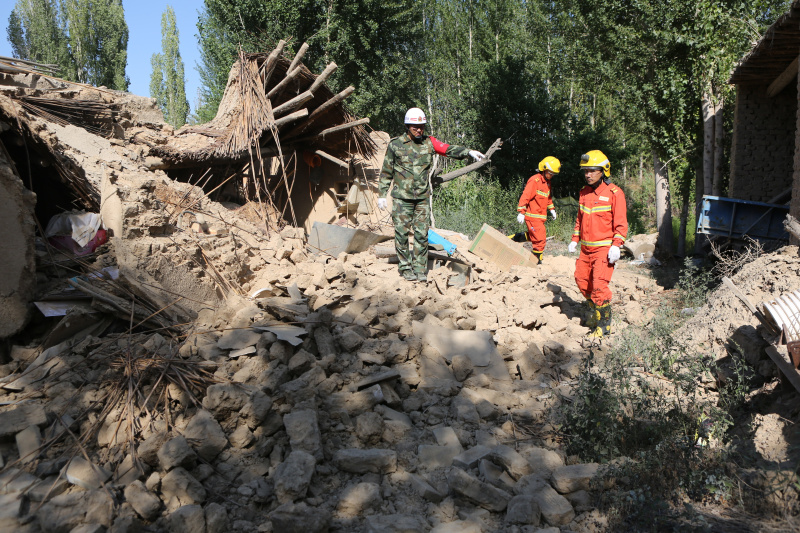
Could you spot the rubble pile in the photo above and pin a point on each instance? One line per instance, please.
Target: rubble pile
(338, 397)
(210, 370)
(725, 325)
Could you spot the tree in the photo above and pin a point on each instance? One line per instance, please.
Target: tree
(167, 82)
(97, 38)
(88, 39)
(254, 25)
(35, 33)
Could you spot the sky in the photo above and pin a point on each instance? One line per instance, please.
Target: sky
(144, 40)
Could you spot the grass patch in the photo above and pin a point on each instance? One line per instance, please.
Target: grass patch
(642, 409)
(465, 204)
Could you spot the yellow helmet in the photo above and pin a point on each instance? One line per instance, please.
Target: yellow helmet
(550, 163)
(596, 159)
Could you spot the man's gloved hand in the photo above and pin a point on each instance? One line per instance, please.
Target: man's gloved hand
(573, 247)
(476, 155)
(382, 204)
(553, 212)
(613, 255)
(520, 218)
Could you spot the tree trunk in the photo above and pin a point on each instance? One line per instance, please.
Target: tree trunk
(699, 238)
(663, 209)
(708, 143)
(641, 168)
(716, 185)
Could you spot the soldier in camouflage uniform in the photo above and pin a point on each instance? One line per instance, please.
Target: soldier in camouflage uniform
(408, 163)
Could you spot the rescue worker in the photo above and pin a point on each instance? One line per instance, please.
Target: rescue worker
(601, 227)
(536, 201)
(408, 163)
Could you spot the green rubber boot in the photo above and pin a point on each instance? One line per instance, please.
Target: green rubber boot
(604, 321)
(591, 315)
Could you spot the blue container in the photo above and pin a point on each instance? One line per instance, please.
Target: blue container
(435, 238)
(729, 217)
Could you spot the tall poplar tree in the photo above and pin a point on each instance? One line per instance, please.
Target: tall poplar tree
(35, 33)
(97, 37)
(168, 82)
(88, 39)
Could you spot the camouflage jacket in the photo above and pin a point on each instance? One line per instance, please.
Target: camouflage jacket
(408, 163)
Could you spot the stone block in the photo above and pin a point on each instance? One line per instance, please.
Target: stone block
(571, 478)
(478, 492)
(186, 519)
(470, 458)
(358, 461)
(523, 510)
(514, 463)
(396, 523)
(205, 435)
(16, 418)
(293, 476)
(179, 488)
(86, 475)
(28, 442)
(176, 452)
(555, 508)
(145, 503)
(356, 499)
(299, 518)
(302, 428)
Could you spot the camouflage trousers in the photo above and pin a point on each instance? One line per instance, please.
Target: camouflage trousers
(408, 216)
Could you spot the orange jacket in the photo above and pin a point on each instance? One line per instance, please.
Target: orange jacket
(602, 217)
(537, 198)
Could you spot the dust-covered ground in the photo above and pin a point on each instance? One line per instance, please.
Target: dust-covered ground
(329, 394)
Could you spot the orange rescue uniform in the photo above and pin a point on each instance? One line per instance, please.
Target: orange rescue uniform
(602, 222)
(535, 202)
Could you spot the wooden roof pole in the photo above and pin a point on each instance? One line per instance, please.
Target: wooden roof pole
(787, 76)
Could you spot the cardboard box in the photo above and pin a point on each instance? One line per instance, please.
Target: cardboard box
(497, 248)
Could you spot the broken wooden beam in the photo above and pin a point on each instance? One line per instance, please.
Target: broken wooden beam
(335, 129)
(297, 115)
(332, 159)
(272, 60)
(297, 58)
(321, 110)
(275, 92)
(437, 180)
(294, 103)
(323, 77)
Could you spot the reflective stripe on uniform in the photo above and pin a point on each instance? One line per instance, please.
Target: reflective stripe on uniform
(599, 209)
(544, 217)
(596, 243)
(542, 193)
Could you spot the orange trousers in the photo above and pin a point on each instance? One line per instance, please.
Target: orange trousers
(592, 274)
(536, 233)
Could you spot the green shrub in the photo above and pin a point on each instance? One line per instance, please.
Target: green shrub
(643, 400)
(465, 204)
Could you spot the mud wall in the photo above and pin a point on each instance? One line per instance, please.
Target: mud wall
(17, 261)
(763, 146)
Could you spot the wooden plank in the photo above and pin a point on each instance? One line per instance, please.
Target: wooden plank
(781, 82)
(780, 356)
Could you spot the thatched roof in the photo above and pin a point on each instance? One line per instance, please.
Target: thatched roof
(773, 53)
(271, 102)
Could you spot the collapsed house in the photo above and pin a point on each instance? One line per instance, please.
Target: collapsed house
(282, 150)
(207, 369)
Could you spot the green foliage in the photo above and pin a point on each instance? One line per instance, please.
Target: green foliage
(694, 284)
(167, 82)
(465, 204)
(34, 32)
(88, 39)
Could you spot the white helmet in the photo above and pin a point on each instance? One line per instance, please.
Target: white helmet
(415, 115)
